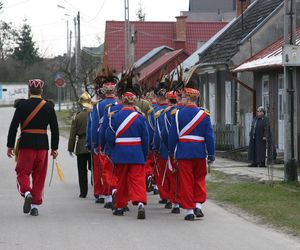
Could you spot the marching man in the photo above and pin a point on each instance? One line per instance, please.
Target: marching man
(191, 143)
(34, 115)
(128, 138)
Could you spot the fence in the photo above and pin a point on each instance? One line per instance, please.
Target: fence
(229, 136)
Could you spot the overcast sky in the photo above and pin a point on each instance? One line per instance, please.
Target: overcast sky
(49, 22)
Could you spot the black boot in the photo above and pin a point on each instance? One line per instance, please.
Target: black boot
(198, 212)
(141, 213)
(189, 217)
(34, 212)
(108, 205)
(118, 212)
(168, 205)
(27, 203)
(162, 201)
(175, 210)
(155, 191)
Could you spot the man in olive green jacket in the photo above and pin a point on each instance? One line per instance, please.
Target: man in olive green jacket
(78, 137)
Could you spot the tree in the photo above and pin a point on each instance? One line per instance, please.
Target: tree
(26, 52)
(1, 5)
(8, 36)
(141, 15)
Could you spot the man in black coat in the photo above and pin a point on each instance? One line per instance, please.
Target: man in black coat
(34, 115)
(260, 136)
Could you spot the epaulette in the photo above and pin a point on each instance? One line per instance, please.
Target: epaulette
(51, 101)
(167, 109)
(137, 109)
(18, 102)
(157, 113)
(149, 111)
(108, 105)
(207, 112)
(110, 114)
(173, 112)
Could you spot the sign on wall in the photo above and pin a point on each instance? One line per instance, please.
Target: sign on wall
(10, 92)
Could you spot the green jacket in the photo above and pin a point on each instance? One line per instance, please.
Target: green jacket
(78, 133)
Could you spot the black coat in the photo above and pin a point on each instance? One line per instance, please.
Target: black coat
(46, 116)
(260, 128)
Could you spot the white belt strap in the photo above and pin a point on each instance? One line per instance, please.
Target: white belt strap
(129, 139)
(192, 137)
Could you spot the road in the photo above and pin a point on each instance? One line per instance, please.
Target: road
(67, 222)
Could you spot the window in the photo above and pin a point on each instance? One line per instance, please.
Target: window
(265, 92)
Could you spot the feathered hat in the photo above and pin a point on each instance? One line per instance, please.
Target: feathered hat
(106, 81)
(186, 85)
(128, 89)
(164, 84)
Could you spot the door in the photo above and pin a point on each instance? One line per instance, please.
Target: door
(280, 112)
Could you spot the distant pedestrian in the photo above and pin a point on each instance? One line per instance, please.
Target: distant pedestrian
(34, 115)
(260, 136)
(78, 137)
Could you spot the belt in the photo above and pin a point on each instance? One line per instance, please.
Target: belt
(34, 131)
(129, 141)
(191, 138)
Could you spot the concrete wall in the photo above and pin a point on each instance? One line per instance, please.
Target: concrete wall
(9, 92)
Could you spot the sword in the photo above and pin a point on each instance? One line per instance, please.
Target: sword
(52, 170)
(112, 172)
(99, 167)
(155, 165)
(165, 172)
(92, 168)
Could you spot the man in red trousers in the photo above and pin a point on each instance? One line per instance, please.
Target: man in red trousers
(34, 115)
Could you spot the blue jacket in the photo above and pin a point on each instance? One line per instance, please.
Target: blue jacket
(111, 109)
(159, 127)
(195, 142)
(168, 116)
(131, 145)
(97, 118)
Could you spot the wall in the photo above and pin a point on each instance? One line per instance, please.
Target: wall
(10, 92)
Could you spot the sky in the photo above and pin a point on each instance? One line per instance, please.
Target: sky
(49, 22)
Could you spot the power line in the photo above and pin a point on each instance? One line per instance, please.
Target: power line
(97, 12)
(16, 4)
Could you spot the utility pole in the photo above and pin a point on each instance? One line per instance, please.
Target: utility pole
(289, 56)
(127, 35)
(76, 49)
(78, 41)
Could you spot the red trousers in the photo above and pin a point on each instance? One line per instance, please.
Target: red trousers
(32, 163)
(98, 162)
(131, 184)
(163, 186)
(149, 165)
(192, 187)
(109, 177)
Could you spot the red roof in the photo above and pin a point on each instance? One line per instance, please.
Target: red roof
(150, 74)
(149, 35)
(268, 57)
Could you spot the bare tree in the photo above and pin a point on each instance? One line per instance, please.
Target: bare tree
(141, 15)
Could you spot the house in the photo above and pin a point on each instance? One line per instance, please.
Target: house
(223, 94)
(150, 74)
(268, 81)
(213, 10)
(149, 35)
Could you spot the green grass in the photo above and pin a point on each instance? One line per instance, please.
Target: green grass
(277, 204)
(64, 118)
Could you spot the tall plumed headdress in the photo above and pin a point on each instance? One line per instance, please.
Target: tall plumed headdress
(106, 81)
(128, 89)
(164, 84)
(186, 85)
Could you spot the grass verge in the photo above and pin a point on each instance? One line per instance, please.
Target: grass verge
(277, 204)
(64, 118)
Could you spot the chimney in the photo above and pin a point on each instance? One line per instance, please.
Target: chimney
(241, 6)
(181, 28)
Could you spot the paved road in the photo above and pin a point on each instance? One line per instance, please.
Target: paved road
(67, 222)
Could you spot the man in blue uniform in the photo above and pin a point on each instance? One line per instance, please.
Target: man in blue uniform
(191, 143)
(128, 138)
